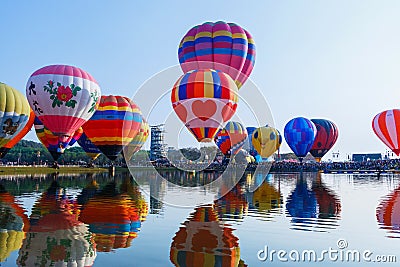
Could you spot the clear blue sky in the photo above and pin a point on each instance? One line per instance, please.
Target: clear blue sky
(319, 59)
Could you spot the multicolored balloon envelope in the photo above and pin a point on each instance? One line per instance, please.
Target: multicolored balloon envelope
(266, 140)
(300, 135)
(385, 126)
(231, 138)
(114, 124)
(63, 98)
(28, 126)
(91, 150)
(388, 213)
(203, 101)
(52, 142)
(13, 225)
(221, 46)
(327, 134)
(204, 241)
(138, 141)
(14, 113)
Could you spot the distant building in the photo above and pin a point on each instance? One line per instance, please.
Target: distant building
(157, 145)
(367, 157)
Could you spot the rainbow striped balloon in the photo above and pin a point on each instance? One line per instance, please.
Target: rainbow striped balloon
(221, 46)
(114, 124)
(136, 144)
(231, 138)
(203, 101)
(52, 142)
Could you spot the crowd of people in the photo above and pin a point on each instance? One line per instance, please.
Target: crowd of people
(311, 166)
(377, 165)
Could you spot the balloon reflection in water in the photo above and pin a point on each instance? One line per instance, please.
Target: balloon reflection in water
(329, 205)
(13, 224)
(232, 205)
(317, 209)
(266, 199)
(56, 237)
(113, 217)
(388, 214)
(204, 241)
(302, 203)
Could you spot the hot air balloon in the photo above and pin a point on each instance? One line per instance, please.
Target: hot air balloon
(14, 113)
(204, 100)
(300, 135)
(138, 141)
(204, 241)
(266, 140)
(4, 150)
(231, 138)
(115, 123)
(222, 46)
(252, 151)
(385, 125)
(327, 134)
(91, 150)
(52, 142)
(63, 98)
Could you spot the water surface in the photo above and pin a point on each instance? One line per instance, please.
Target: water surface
(97, 220)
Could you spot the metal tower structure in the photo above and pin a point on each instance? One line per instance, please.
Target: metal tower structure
(157, 146)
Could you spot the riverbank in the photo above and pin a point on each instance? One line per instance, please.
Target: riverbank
(7, 170)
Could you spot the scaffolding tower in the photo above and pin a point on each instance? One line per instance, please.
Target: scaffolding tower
(157, 146)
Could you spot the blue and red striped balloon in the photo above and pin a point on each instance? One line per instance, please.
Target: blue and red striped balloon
(203, 101)
(114, 124)
(231, 138)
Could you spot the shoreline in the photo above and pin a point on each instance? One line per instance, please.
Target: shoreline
(9, 170)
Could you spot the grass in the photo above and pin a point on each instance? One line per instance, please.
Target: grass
(43, 170)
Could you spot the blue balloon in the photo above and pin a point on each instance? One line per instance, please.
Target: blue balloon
(88, 146)
(253, 152)
(300, 135)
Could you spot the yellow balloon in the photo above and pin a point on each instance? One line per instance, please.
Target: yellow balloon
(266, 140)
(14, 113)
